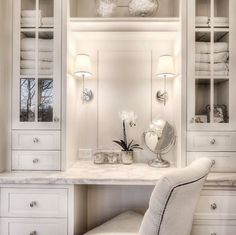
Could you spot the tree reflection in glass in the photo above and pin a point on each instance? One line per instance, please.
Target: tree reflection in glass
(27, 100)
(45, 100)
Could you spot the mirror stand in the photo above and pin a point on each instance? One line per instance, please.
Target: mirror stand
(159, 162)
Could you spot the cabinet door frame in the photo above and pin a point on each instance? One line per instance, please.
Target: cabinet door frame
(56, 122)
(191, 126)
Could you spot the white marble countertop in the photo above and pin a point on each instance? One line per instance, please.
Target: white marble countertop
(85, 172)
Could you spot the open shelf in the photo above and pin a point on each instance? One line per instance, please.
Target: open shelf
(124, 24)
(87, 9)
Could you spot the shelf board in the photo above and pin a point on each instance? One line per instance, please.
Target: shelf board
(124, 24)
(38, 76)
(214, 77)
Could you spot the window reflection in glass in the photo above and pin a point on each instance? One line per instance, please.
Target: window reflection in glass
(27, 100)
(45, 100)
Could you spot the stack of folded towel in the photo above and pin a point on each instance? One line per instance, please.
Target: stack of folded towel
(220, 59)
(28, 19)
(45, 56)
(204, 21)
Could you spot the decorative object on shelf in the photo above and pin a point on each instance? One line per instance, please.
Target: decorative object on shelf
(159, 139)
(106, 8)
(83, 69)
(220, 113)
(127, 151)
(165, 70)
(199, 119)
(143, 8)
(105, 157)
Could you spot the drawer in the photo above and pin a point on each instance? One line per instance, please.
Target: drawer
(216, 205)
(36, 140)
(211, 141)
(44, 202)
(36, 160)
(213, 230)
(17, 226)
(224, 161)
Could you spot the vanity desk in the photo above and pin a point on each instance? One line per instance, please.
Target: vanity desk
(87, 194)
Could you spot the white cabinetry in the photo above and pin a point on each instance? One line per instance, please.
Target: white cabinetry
(36, 84)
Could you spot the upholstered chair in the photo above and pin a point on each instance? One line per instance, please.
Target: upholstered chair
(171, 206)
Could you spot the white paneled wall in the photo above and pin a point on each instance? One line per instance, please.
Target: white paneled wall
(5, 77)
(124, 79)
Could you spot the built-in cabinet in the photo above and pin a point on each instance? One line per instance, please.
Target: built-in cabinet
(36, 84)
(211, 110)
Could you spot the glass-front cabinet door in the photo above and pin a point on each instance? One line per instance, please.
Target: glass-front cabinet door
(37, 64)
(211, 93)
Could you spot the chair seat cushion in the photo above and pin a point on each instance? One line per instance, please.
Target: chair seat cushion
(127, 223)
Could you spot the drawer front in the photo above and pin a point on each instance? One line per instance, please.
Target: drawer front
(218, 205)
(37, 226)
(36, 160)
(20, 202)
(211, 141)
(224, 161)
(36, 140)
(213, 230)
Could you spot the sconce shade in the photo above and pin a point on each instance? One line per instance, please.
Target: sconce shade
(83, 66)
(165, 67)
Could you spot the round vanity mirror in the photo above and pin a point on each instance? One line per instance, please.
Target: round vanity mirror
(159, 139)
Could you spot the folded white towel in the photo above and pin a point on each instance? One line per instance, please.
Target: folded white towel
(221, 20)
(30, 64)
(28, 44)
(205, 47)
(216, 73)
(207, 66)
(220, 57)
(47, 21)
(43, 56)
(202, 20)
(30, 13)
(29, 22)
(32, 72)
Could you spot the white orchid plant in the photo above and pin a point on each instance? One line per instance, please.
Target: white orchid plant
(127, 118)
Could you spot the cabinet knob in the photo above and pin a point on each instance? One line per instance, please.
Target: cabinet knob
(56, 119)
(213, 141)
(213, 206)
(33, 233)
(35, 140)
(36, 160)
(33, 204)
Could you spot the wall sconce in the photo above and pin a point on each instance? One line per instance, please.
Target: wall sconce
(165, 69)
(83, 69)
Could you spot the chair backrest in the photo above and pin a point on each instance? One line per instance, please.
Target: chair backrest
(173, 200)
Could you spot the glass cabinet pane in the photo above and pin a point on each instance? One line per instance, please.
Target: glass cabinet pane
(46, 7)
(203, 13)
(45, 53)
(27, 54)
(29, 14)
(27, 100)
(45, 100)
(202, 54)
(221, 13)
(221, 100)
(202, 100)
(221, 54)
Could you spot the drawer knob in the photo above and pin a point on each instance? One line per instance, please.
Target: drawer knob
(213, 206)
(35, 140)
(36, 160)
(213, 141)
(33, 204)
(33, 233)
(56, 119)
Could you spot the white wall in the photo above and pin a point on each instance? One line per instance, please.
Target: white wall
(124, 67)
(5, 77)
